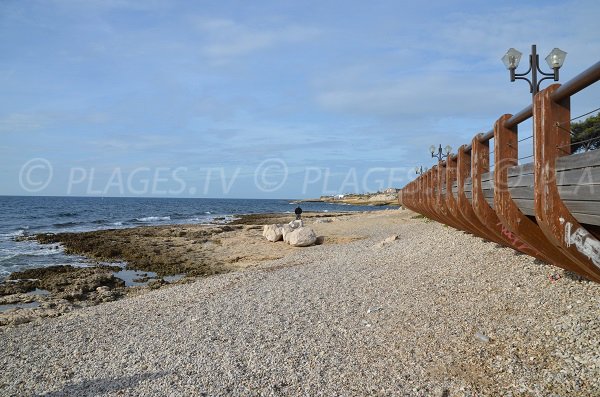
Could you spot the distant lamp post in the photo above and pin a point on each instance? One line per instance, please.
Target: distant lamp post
(440, 155)
(555, 60)
(420, 170)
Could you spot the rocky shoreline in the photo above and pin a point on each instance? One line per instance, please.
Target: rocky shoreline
(184, 251)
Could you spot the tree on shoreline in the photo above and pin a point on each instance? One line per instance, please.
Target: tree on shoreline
(586, 134)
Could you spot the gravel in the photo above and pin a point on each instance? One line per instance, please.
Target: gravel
(436, 312)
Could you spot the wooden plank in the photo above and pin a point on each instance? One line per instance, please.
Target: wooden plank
(487, 176)
(577, 192)
(584, 207)
(584, 211)
(526, 206)
(487, 185)
(587, 218)
(579, 160)
(520, 180)
(524, 169)
(525, 192)
(579, 176)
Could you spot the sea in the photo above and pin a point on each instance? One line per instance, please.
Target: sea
(29, 215)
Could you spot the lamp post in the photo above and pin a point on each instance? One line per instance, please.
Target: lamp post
(440, 155)
(554, 60)
(420, 170)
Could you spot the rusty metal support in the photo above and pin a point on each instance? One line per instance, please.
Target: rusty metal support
(480, 154)
(518, 225)
(554, 218)
(463, 169)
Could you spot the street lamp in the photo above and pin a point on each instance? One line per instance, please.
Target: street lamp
(555, 60)
(420, 170)
(440, 155)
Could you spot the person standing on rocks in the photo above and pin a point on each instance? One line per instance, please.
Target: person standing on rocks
(298, 212)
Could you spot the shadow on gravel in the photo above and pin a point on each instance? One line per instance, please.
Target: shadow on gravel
(95, 387)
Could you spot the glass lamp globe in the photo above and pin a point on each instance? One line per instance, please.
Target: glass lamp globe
(556, 58)
(512, 58)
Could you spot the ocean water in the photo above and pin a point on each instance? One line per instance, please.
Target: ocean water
(21, 216)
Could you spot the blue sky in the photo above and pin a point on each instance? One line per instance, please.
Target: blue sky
(260, 98)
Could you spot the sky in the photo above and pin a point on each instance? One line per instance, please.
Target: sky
(262, 99)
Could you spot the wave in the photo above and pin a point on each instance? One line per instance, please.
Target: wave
(66, 214)
(117, 224)
(18, 233)
(28, 254)
(153, 219)
(66, 224)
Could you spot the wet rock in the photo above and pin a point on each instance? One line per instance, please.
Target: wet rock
(157, 283)
(74, 282)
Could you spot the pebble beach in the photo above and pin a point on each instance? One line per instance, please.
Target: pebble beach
(397, 306)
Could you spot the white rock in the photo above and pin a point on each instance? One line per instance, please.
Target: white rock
(302, 237)
(388, 240)
(296, 223)
(286, 230)
(273, 232)
(391, 239)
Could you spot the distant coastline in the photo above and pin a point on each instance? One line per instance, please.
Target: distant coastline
(371, 199)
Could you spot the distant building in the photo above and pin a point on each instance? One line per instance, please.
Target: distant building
(390, 190)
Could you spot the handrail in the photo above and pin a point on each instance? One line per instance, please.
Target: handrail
(571, 87)
(577, 83)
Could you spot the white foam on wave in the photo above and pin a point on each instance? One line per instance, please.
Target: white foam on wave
(118, 224)
(207, 212)
(18, 233)
(154, 218)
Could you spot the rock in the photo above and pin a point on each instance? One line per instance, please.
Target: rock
(296, 223)
(155, 284)
(481, 337)
(320, 240)
(286, 230)
(273, 232)
(388, 240)
(392, 238)
(302, 237)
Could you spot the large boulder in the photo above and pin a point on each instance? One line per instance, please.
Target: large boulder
(273, 232)
(302, 237)
(286, 230)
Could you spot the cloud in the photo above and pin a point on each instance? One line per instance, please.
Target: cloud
(28, 122)
(226, 39)
(21, 122)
